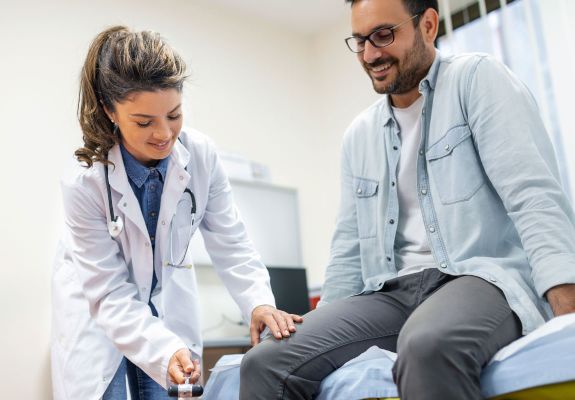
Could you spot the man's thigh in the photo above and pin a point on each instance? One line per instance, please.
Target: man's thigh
(335, 333)
(466, 314)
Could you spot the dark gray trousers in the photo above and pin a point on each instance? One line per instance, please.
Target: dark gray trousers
(443, 328)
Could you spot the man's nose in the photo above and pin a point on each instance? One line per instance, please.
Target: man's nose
(370, 52)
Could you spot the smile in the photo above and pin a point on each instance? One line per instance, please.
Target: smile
(161, 145)
(382, 67)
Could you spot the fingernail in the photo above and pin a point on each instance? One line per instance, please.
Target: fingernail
(278, 334)
(286, 332)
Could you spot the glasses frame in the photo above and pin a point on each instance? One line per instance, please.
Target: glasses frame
(369, 39)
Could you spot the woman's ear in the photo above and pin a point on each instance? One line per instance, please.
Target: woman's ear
(108, 112)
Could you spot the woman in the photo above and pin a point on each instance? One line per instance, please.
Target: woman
(125, 295)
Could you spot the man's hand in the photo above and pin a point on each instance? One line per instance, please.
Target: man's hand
(182, 366)
(280, 323)
(562, 299)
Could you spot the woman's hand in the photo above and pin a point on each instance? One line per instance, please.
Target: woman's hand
(181, 366)
(280, 323)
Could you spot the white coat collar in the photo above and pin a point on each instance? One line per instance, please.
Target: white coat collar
(177, 178)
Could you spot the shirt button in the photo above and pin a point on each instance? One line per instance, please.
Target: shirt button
(391, 221)
(443, 265)
(492, 279)
(392, 183)
(152, 238)
(125, 204)
(181, 178)
(163, 222)
(359, 191)
(395, 147)
(431, 229)
(420, 152)
(153, 214)
(388, 258)
(152, 187)
(447, 147)
(147, 244)
(423, 192)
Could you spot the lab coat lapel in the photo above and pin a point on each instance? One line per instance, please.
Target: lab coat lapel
(127, 204)
(177, 179)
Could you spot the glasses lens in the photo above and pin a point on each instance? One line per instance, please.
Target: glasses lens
(383, 37)
(356, 45)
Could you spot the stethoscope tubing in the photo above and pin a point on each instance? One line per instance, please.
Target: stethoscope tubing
(116, 224)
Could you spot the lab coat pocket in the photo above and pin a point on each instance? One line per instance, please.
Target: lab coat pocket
(455, 167)
(180, 251)
(366, 206)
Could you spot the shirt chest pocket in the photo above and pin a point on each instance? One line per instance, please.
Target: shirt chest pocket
(366, 206)
(454, 165)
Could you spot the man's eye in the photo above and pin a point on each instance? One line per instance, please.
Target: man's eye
(144, 124)
(382, 36)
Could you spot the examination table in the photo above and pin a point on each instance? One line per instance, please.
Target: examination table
(539, 366)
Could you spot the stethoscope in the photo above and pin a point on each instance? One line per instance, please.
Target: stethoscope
(116, 224)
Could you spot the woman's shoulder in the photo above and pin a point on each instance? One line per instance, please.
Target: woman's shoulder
(196, 140)
(77, 174)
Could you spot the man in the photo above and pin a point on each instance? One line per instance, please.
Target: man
(453, 226)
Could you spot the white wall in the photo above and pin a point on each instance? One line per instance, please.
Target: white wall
(557, 18)
(277, 97)
(253, 89)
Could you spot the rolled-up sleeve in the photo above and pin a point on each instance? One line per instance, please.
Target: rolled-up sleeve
(519, 159)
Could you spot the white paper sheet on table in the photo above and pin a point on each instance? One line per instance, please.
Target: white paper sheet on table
(228, 361)
(372, 353)
(554, 325)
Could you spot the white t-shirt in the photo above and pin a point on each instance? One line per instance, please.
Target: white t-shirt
(412, 251)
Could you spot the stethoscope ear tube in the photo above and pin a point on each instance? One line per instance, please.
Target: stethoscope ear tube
(115, 224)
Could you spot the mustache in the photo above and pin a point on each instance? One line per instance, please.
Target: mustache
(381, 61)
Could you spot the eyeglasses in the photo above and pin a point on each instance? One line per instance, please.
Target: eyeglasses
(379, 38)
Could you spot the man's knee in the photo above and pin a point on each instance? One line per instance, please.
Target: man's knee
(424, 346)
(255, 360)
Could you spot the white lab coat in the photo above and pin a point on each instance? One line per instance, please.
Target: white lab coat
(101, 285)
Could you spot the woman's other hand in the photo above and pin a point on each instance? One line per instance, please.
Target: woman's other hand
(181, 366)
(280, 323)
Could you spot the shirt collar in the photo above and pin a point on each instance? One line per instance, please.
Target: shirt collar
(429, 81)
(139, 173)
(431, 77)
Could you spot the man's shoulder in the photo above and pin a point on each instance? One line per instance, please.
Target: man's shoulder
(369, 119)
(464, 64)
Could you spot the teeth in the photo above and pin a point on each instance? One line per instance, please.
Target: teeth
(381, 67)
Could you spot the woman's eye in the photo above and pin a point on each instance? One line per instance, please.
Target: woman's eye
(174, 117)
(144, 124)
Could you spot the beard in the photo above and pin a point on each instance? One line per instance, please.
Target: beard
(410, 71)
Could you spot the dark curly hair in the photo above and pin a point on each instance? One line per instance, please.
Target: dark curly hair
(120, 62)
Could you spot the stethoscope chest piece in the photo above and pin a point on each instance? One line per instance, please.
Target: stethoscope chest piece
(115, 226)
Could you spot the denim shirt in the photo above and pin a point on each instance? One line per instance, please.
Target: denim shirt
(488, 187)
(147, 184)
